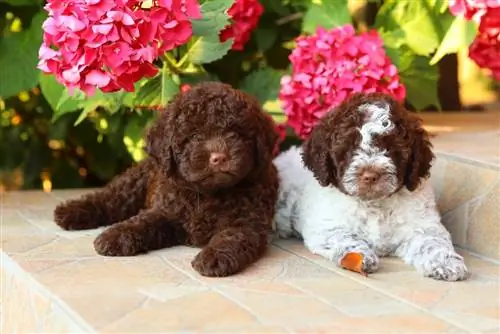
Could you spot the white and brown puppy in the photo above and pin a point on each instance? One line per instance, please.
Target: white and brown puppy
(359, 184)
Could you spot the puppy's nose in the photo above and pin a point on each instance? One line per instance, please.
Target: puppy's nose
(370, 176)
(217, 158)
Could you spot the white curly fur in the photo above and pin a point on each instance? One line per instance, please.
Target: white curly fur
(331, 223)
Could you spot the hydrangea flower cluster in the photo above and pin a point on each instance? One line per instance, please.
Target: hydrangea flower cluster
(472, 9)
(485, 49)
(245, 16)
(329, 66)
(111, 44)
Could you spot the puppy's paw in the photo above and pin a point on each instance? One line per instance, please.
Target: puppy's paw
(212, 263)
(451, 269)
(370, 261)
(75, 215)
(118, 241)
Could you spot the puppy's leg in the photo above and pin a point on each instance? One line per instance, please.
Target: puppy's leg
(335, 242)
(149, 230)
(430, 251)
(230, 251)
(120, 199)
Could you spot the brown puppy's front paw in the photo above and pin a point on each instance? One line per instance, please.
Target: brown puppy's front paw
(118, 241)
(74, 215)
(212, 263)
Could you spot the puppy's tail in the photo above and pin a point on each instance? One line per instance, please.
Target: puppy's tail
(293, 176)
(122, 198)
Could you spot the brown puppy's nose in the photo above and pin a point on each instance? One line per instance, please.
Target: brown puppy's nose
(217, 158)
(370, 176)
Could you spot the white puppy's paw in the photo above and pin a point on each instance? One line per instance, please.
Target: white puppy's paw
(370, 259)
(451, 269)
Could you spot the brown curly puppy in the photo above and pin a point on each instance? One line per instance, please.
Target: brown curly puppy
(208, 181)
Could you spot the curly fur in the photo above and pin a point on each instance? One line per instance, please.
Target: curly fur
(177, 197)
(325, 197)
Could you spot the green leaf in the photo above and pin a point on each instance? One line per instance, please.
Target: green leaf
(56, 96)
(415, 23)
(265, 37)
(393, 54)
(22, 2)
(134, 136)
(208, 49)
(157, 92)
(111, 102)
(264, 84)
(328, 14)
(420, 79)
(59, 129)
(278, 7)
(194, 78)
(459, 35)
(19, 57)
(64, 175)
(214, 18)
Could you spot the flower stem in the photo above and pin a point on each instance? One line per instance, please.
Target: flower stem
(171, 64)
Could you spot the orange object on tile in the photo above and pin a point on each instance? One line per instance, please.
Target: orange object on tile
(353, 262)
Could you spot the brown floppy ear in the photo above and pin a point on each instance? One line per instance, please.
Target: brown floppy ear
(266, 143)
(316, 155)
(159, 142)
(266, 135)
(421, 156)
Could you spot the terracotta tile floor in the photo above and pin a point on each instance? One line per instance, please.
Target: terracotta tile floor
(466, 136)
(54, 282)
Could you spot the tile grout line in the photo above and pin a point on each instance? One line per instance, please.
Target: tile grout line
(405, 301)
(467, 160)
(479, 197)
(216, 289)
(311, 294)
(36, 287)
(141, 305)
(479, 256)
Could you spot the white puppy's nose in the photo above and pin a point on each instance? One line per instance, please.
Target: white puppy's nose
(370, 177)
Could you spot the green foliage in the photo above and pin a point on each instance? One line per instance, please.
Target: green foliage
(417, 34)
(214, 18)
(413, 21)
(84, 140)
(420, 79)
(263, 84)
(327, 14)
(208, 49)
(458, 36)
(19, 57)
(22, 2)
(157, 91)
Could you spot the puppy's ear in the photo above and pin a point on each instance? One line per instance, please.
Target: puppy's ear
(421, 155)
(316, 155)
(266, 135)
(159, 142)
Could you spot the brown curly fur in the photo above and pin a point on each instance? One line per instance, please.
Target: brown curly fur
(329, 149)
(175, 197)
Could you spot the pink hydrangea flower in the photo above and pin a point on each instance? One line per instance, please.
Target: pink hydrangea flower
(485, 49)
(245, 16)
(329, 66)
(471, 9)
(111, 44)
